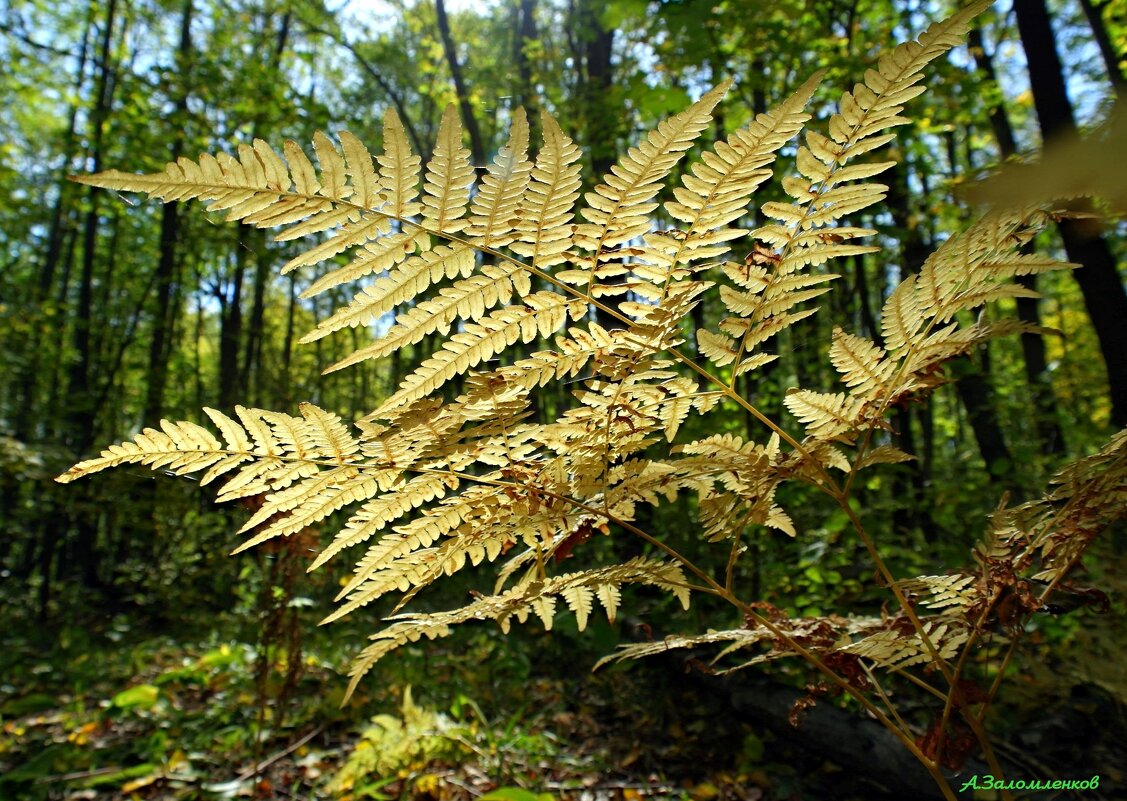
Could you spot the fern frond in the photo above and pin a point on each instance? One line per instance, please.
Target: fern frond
(496, 206)
(446, 189)
(544, 226)
(181, 448)
(716, 190)
(534, 597)
(861, 362)
(570, 357)
(377, 513)
(399, 169)
(895, 650)
(542, 314)
(826, 416)
(823, 195)
(618, 209)
(944, 591)
(468, 299)
(405, 282)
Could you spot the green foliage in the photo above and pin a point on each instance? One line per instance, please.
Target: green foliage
(393, 747)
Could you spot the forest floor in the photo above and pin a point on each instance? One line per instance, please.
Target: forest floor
(90, 712)
(112, 709)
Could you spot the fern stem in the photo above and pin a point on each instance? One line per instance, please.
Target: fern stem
(886, 574)
(884, 696)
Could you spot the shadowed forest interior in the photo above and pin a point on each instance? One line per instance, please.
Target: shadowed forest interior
(533, 335)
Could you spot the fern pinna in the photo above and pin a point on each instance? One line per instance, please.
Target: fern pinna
(433, 485)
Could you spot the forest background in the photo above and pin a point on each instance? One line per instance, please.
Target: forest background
(115, 315)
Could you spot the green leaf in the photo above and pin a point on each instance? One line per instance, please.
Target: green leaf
(514, 794)
(143, 695)
(123, 775)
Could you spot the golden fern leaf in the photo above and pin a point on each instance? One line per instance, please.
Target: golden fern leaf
(826, 416)
(822, 195)
(918, 320)
(446, 188)
(181, 448)
(350, 234)
(544, 225)
(673, 642)
(398, 180)
(542, 314)
(542, 367)
(618, 210)
(404, 283)
(445, 519)
(956, 590)
(884, 454)
(377, 513)
(468, 299)
(893, 650)
(359, 167)
(861, 362)
(306, 466)
(399, 169)
(226, 183)
(716, 190)
(497, 204)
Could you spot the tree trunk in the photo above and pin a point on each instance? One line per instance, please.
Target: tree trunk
(977, 396)
(79, 397)
(469, 121)
(27, 385)
(169, 239)
(231, 329)
(1098, 275)
(1050, 435)
(252, 355)
(1094, 12)
(525, 30)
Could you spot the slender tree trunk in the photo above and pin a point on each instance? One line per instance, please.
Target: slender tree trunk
(1094, 12)
(525, 30)
(469, 120)
(252, 355)
(1098, 277)
(1049, 431)
(80, 399)
(231, 329)
(601, 125)
(287, 343)
(26, 396)
(169, 239)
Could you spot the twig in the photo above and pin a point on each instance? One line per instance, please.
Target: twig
(261, 766)
(79, 774)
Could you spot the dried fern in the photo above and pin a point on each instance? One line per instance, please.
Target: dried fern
(431, 486)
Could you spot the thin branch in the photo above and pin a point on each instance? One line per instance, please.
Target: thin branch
(261, 766)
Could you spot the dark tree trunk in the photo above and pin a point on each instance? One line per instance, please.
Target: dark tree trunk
(80, 398)
(595, 47)
(1098, 275)
(525, 92)
(601, 126)
(469, 120)
(978, 397)
(287, 343)
(252, 355)
(1094, 12)
(1050, 435)
(169, 239)
(231, 329)
(909, 482)
(80, 433)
